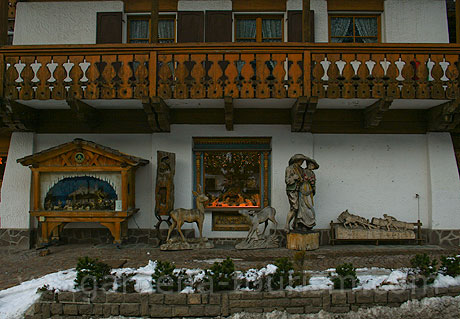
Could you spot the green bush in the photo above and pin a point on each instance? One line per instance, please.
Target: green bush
(423, 270)
(285, 275)
(164, 278)
(450, 266)
(222, 275)
(126, 284)
(346, 277)
(93, 274)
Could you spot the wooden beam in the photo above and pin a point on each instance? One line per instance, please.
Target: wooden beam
(302, 114)
(373, 114)
(17, 117)
(154, 21)
(85, 114)
(306, 24)
(3, 22)
(444, 117)
(228, 113)
(158, 114)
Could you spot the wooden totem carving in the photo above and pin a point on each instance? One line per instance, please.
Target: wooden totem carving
(164, 190)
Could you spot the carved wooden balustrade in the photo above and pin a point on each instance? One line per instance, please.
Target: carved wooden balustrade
(199, 71)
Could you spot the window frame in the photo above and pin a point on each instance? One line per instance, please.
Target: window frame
(356, 15)
(148, 17)
(258, 18)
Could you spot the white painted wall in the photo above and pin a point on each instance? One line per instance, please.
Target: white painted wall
(415, 21)
(15, 203)
(444, 182)
(60, 22)
(203, 5)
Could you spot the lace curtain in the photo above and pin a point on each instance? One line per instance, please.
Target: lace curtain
(139, 29)
(166, 31)
(246, 30)
(367, 27)
(271, 29)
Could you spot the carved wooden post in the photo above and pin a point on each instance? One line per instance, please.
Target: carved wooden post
(154, 22)
(266, 179)
(124, 190)
(3, 22)
(306, 32)
(36, 189)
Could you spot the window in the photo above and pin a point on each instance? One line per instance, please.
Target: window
(354, 29)
(259, 28)
(139, 29)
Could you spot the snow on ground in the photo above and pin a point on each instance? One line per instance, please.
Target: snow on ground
(16, 300)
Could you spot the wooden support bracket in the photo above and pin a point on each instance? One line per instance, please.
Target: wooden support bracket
(84, 113)
(229, 113)
(373, 114)
(17, 117)
(444, 117)
(302, 114)
(158, 114)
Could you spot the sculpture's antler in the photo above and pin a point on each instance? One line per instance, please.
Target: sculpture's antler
(198, 189)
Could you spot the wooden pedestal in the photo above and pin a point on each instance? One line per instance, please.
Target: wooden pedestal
(298, 241)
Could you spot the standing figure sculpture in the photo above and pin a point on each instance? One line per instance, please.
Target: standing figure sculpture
(300, 189)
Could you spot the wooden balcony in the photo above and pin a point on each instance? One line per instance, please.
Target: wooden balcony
(383, 72)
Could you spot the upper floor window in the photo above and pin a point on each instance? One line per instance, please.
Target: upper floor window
(354, 28)
(249, 28)
(139, 29)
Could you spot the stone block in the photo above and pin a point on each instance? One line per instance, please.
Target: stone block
(80, 297)
(327, 300)
(107, 310)
(236, 310)
(295, 309)
(56, 309)
(316, 302)
(196, 311)
(279, 302)
(176, 299)
(98, 309)
(454, 289)
(130, 309)
(145, 305)
(254, 310)
(115, 310)
(251, 295)
(85, 309)
(311, 309)
(194, 299)
(214, 299)
(234, 295)
(37, 308)
(205, 299)
(338, 298)
(65, 296)
(70, 310)
(114, 298)
(339, 309)
(273, 295)
(381, 296)
(47, 296)
(211, 310)
(132, 298)
(46, 312)
(156, 299)
(180, 311)
(98, 296)
(351, 298)
(364, 296)
(160, 311)
(296, 302)
(441, 291)
(398, 296)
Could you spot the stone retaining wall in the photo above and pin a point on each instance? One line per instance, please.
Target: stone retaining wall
(102, 304)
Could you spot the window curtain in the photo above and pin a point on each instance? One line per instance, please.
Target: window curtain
(246, 29)
(367, 27)
(340, 28)
(271, 28)
(166, 30)
(139, 29)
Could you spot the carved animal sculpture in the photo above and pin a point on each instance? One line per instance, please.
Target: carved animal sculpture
(257, 218)
(381, 223)
(181, 215)
(398, 225)
(354, 221)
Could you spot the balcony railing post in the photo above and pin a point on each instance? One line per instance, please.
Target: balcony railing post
(153, 73)
(2, 74)
(307, 70)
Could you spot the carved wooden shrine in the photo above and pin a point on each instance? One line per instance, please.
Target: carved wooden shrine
(82, 181)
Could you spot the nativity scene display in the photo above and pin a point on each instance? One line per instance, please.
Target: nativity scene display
(81, 193)
(232, 179)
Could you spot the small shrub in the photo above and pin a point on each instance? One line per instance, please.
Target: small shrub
(43, 288)
(423, 270)
(93, 274)
(165, 278)
(126, 284)
(285, 275)
(299, 260)
(450, 266)
(346, 277)
(222, 275)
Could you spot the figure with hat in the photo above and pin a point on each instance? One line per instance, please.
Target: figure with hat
(300, 189)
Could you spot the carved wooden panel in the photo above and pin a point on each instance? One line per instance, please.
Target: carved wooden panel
(164, 187)
(80, 158)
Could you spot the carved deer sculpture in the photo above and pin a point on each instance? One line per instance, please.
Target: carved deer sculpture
(181, 215)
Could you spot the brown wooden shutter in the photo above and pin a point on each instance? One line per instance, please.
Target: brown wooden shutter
(109, 27)
(218, 26)
(190, 26)
(295, 25)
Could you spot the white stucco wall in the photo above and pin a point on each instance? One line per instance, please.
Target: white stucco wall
(444, 182)
(203, 5)
(415, 21)
(60, 22)
(15, 203)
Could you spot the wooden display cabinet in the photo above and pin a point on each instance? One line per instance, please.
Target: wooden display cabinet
(82, 160)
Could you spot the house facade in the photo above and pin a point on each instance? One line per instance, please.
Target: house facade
(369, 89)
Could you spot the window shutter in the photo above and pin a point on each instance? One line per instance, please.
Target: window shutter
(218, 26)
(295, 25)
(190, 26)
(109, 27)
